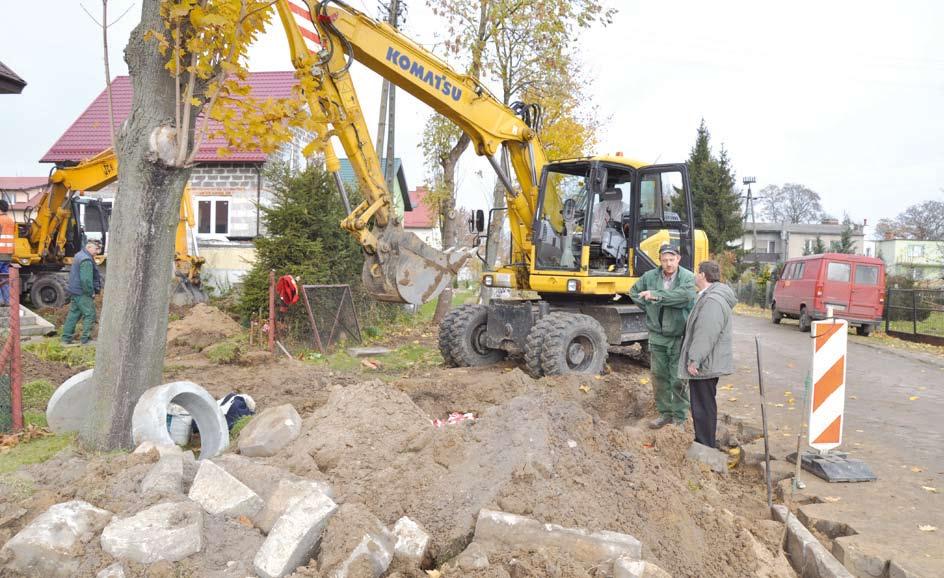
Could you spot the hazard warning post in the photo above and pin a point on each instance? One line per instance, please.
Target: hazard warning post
(827, 406)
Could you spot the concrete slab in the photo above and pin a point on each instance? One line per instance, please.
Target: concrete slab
(270, 431)
(68, 407)
(518, 531)
(294, 537)
(473, 558)
(222, 494)
(368, 351)
(116, 570)
(170, 531)
(53, 543)
(149, 420)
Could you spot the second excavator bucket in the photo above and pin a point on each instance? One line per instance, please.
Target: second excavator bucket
(406, 270)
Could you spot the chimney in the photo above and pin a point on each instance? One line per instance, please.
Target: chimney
(889, 235)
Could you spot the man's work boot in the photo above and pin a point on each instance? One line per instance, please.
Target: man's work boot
(660, 422)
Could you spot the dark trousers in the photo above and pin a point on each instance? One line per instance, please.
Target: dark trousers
(704, 409)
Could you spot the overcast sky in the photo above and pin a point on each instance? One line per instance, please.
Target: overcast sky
(843, 97)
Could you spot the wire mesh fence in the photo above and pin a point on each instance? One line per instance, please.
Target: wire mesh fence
(753, 293)
(915, 314)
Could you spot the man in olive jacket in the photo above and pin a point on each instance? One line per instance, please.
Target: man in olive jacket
(706, 350)
(666, 295)
(84, 282)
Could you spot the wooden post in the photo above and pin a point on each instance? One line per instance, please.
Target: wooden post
(16, 391)
(272, 311)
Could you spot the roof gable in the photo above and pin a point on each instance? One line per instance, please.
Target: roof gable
(89, 136)
(420, 217)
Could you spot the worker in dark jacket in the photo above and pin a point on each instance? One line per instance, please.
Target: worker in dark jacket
(666, 295)
(84, 282)
(706, 350)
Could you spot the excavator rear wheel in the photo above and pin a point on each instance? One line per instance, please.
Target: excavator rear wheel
(574, 343)
(465, 338)
(535, 343)
(445, 343)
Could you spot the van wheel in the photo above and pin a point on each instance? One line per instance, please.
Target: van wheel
(805, 321)
(775, 315)
(865, 329)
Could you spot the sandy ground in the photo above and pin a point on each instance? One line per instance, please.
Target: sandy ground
(571, 451)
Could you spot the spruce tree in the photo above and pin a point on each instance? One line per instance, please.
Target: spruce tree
(715, 197)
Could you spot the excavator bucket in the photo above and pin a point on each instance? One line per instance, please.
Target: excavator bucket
(407, 270)
(188, 288)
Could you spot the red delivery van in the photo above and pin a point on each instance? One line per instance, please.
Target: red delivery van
(854, 285)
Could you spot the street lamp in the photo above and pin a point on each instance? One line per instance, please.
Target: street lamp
(749, 207)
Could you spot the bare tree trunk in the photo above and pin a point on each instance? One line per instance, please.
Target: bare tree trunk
(130, 353)
(450, 231)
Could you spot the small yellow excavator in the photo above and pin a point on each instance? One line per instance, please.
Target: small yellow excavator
(53, 233)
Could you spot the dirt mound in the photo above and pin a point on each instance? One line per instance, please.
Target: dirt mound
(202, 326)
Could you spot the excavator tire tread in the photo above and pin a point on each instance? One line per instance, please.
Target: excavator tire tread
(563, 329)
(445, 336)
(467, 322)
(534, 344)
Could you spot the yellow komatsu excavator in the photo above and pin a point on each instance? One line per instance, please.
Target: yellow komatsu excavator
(53, 233)
(582, 230)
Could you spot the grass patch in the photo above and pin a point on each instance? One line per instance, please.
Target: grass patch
(238, 427)
(394, 363)
(36, 394)
(33, 452)
(223, 352)
(34, 417)
(80, 356)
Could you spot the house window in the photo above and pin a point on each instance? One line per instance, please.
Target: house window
(808, 246)
(838, 272)
(916, 250)
(213, 217)
(771, 246)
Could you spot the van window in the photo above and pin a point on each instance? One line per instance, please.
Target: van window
(788, 271)
(866, 275)
(798, 274)
(838, 272)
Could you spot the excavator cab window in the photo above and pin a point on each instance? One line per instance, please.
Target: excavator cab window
(664, 216)
(609, 239)
(559, 238)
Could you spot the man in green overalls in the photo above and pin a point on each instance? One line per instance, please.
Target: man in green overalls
(84, 283)
(667, 295)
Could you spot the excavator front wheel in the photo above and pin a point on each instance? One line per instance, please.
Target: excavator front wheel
(573, 343)
(462, 338)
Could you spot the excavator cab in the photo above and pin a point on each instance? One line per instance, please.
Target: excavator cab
(619, 215)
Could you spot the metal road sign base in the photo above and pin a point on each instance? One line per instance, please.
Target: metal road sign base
(834, 467)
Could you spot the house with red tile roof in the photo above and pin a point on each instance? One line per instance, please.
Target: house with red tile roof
(22, 193)
(422, 220)
(227, 190)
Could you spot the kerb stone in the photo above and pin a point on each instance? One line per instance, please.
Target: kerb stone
(807, 556)
(287, 494)
(270, 431)
(517, 531)
(165, 477)
(53, 543)
(412, 542)
(295, 536)
(220, 493)
(714, 459)
(169, 531)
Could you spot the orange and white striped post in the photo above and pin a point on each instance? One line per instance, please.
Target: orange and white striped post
(830, 338)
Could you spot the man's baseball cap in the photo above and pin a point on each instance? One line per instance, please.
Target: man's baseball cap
(668, 248)
(94, 242)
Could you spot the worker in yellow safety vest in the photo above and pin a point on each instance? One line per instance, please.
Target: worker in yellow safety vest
(7, 230)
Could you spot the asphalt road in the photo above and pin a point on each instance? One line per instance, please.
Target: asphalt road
(894, 421)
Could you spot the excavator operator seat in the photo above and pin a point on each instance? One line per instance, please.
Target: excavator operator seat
(608, 210)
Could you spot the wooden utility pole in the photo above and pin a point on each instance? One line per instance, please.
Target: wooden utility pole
(388, 99)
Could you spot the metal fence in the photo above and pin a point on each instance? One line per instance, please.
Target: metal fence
(915, 314)
(754, 293)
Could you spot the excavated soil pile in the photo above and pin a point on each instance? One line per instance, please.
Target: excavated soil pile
(562, 450)
(202, 326)
(537, 452)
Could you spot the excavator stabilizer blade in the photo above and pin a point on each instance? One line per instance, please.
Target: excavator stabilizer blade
(407, 270)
